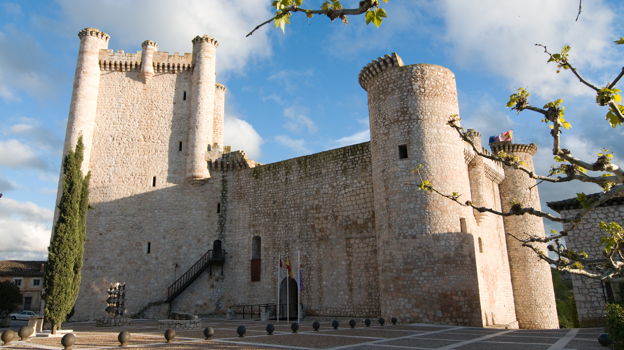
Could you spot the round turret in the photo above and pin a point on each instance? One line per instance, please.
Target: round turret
(530, 276)
(419, 232)
(201, 121)
(147, 59)
(219, 115)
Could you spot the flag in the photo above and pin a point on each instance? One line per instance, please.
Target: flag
(290, 275)
(506, 136)
(300, 281)
(279, 270)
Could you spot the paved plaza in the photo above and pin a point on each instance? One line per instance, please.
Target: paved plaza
(145, 335)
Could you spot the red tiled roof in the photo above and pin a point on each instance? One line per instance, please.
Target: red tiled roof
(20, 268)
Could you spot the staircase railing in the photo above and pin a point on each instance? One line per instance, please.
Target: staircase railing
(211, 257)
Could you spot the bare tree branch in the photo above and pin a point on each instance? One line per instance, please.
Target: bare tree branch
(580, 9)
(365, 5)
(566, 63)
(616, 79)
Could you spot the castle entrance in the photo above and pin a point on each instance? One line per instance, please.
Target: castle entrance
(290, 301)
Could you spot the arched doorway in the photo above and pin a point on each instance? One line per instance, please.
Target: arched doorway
(291, 299)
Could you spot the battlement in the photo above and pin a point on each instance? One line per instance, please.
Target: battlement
(93, 32)
(378, 65)
(509, 147)
(206, 39)
(232, 161)
(220, 87)
(147, 43)
(163, 62)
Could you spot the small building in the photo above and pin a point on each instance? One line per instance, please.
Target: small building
(591, 295)
(28, 276)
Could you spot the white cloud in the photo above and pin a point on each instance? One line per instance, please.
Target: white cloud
(14, 154)
(174, 25)
(298, 120)
(7, 185)
(359, 137)
(297, 146)
(499, 37)
(11, 8)
(41, 136)
(289, 78)
(25, 229)
(242, 136)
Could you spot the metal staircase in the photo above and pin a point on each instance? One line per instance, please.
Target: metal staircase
(212, 257)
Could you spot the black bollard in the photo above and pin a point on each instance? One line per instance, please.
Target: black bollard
(169, 335)
(335, 324)
(270, 328)
(25, 332)
(604, 339)
(124, 338)
(208, 333)
(367, 322)
(241, 331)
(393, 320)
(316, 325)
(382, 321)
(352, 323)
(68, 341)
(294, 326)
(7, 336)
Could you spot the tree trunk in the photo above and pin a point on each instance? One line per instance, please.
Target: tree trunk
(53, 329)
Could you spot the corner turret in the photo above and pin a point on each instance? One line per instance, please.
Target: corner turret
(147, 59)
(534, 295)
(201, 121)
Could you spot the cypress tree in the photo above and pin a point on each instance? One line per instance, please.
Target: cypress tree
(62, 275)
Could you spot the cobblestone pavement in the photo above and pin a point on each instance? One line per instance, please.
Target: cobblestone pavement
(145, 335)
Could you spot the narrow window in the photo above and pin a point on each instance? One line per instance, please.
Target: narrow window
(180, 149)
(462, 225)
(209, 148)
(402, 151)
(480, 245)
(154, 182)
(18, 282)
(184, 97)
(256, 251)
(218, 208)
(36, 282)
(149, 247)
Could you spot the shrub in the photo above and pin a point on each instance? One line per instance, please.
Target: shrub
(615, 325)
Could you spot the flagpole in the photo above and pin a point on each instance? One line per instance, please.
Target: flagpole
(299, 289)
(287, 291)
(279, 274)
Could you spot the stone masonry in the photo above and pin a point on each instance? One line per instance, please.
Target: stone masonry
(591, 295)
(371, 244)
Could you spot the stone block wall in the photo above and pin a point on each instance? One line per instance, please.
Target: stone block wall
(591, 295)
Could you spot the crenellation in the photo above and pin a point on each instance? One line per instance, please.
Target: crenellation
(378, 65)
(94, 32)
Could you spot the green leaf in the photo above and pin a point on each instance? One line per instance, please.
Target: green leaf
(613, 119)
(619, 42)
(298, 2)
(376, 16)
(369, 16)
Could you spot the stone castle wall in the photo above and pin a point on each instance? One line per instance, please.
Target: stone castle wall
(371, 244)
(590, 295)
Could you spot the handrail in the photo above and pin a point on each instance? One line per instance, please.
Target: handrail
(191, 274)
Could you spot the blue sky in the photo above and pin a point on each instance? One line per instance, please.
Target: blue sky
(297, 93)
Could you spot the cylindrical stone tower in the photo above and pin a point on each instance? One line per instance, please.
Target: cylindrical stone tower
(147, 60)
(219, 115)
(201, 121)
(478, 181)
(534, 295)
(427, 264)
(81, 119)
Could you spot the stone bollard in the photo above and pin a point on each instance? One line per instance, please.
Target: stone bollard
(25, 332)
(208, 333)
(294, 327)
(241, 331)
(169, 335)
(68, 341)
(270, 328)
(352, 323)
(316, 325)
(124, 338)
(7, 336)
(335, 324)
(367, 322)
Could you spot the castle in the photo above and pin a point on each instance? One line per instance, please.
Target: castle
(192, 227)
